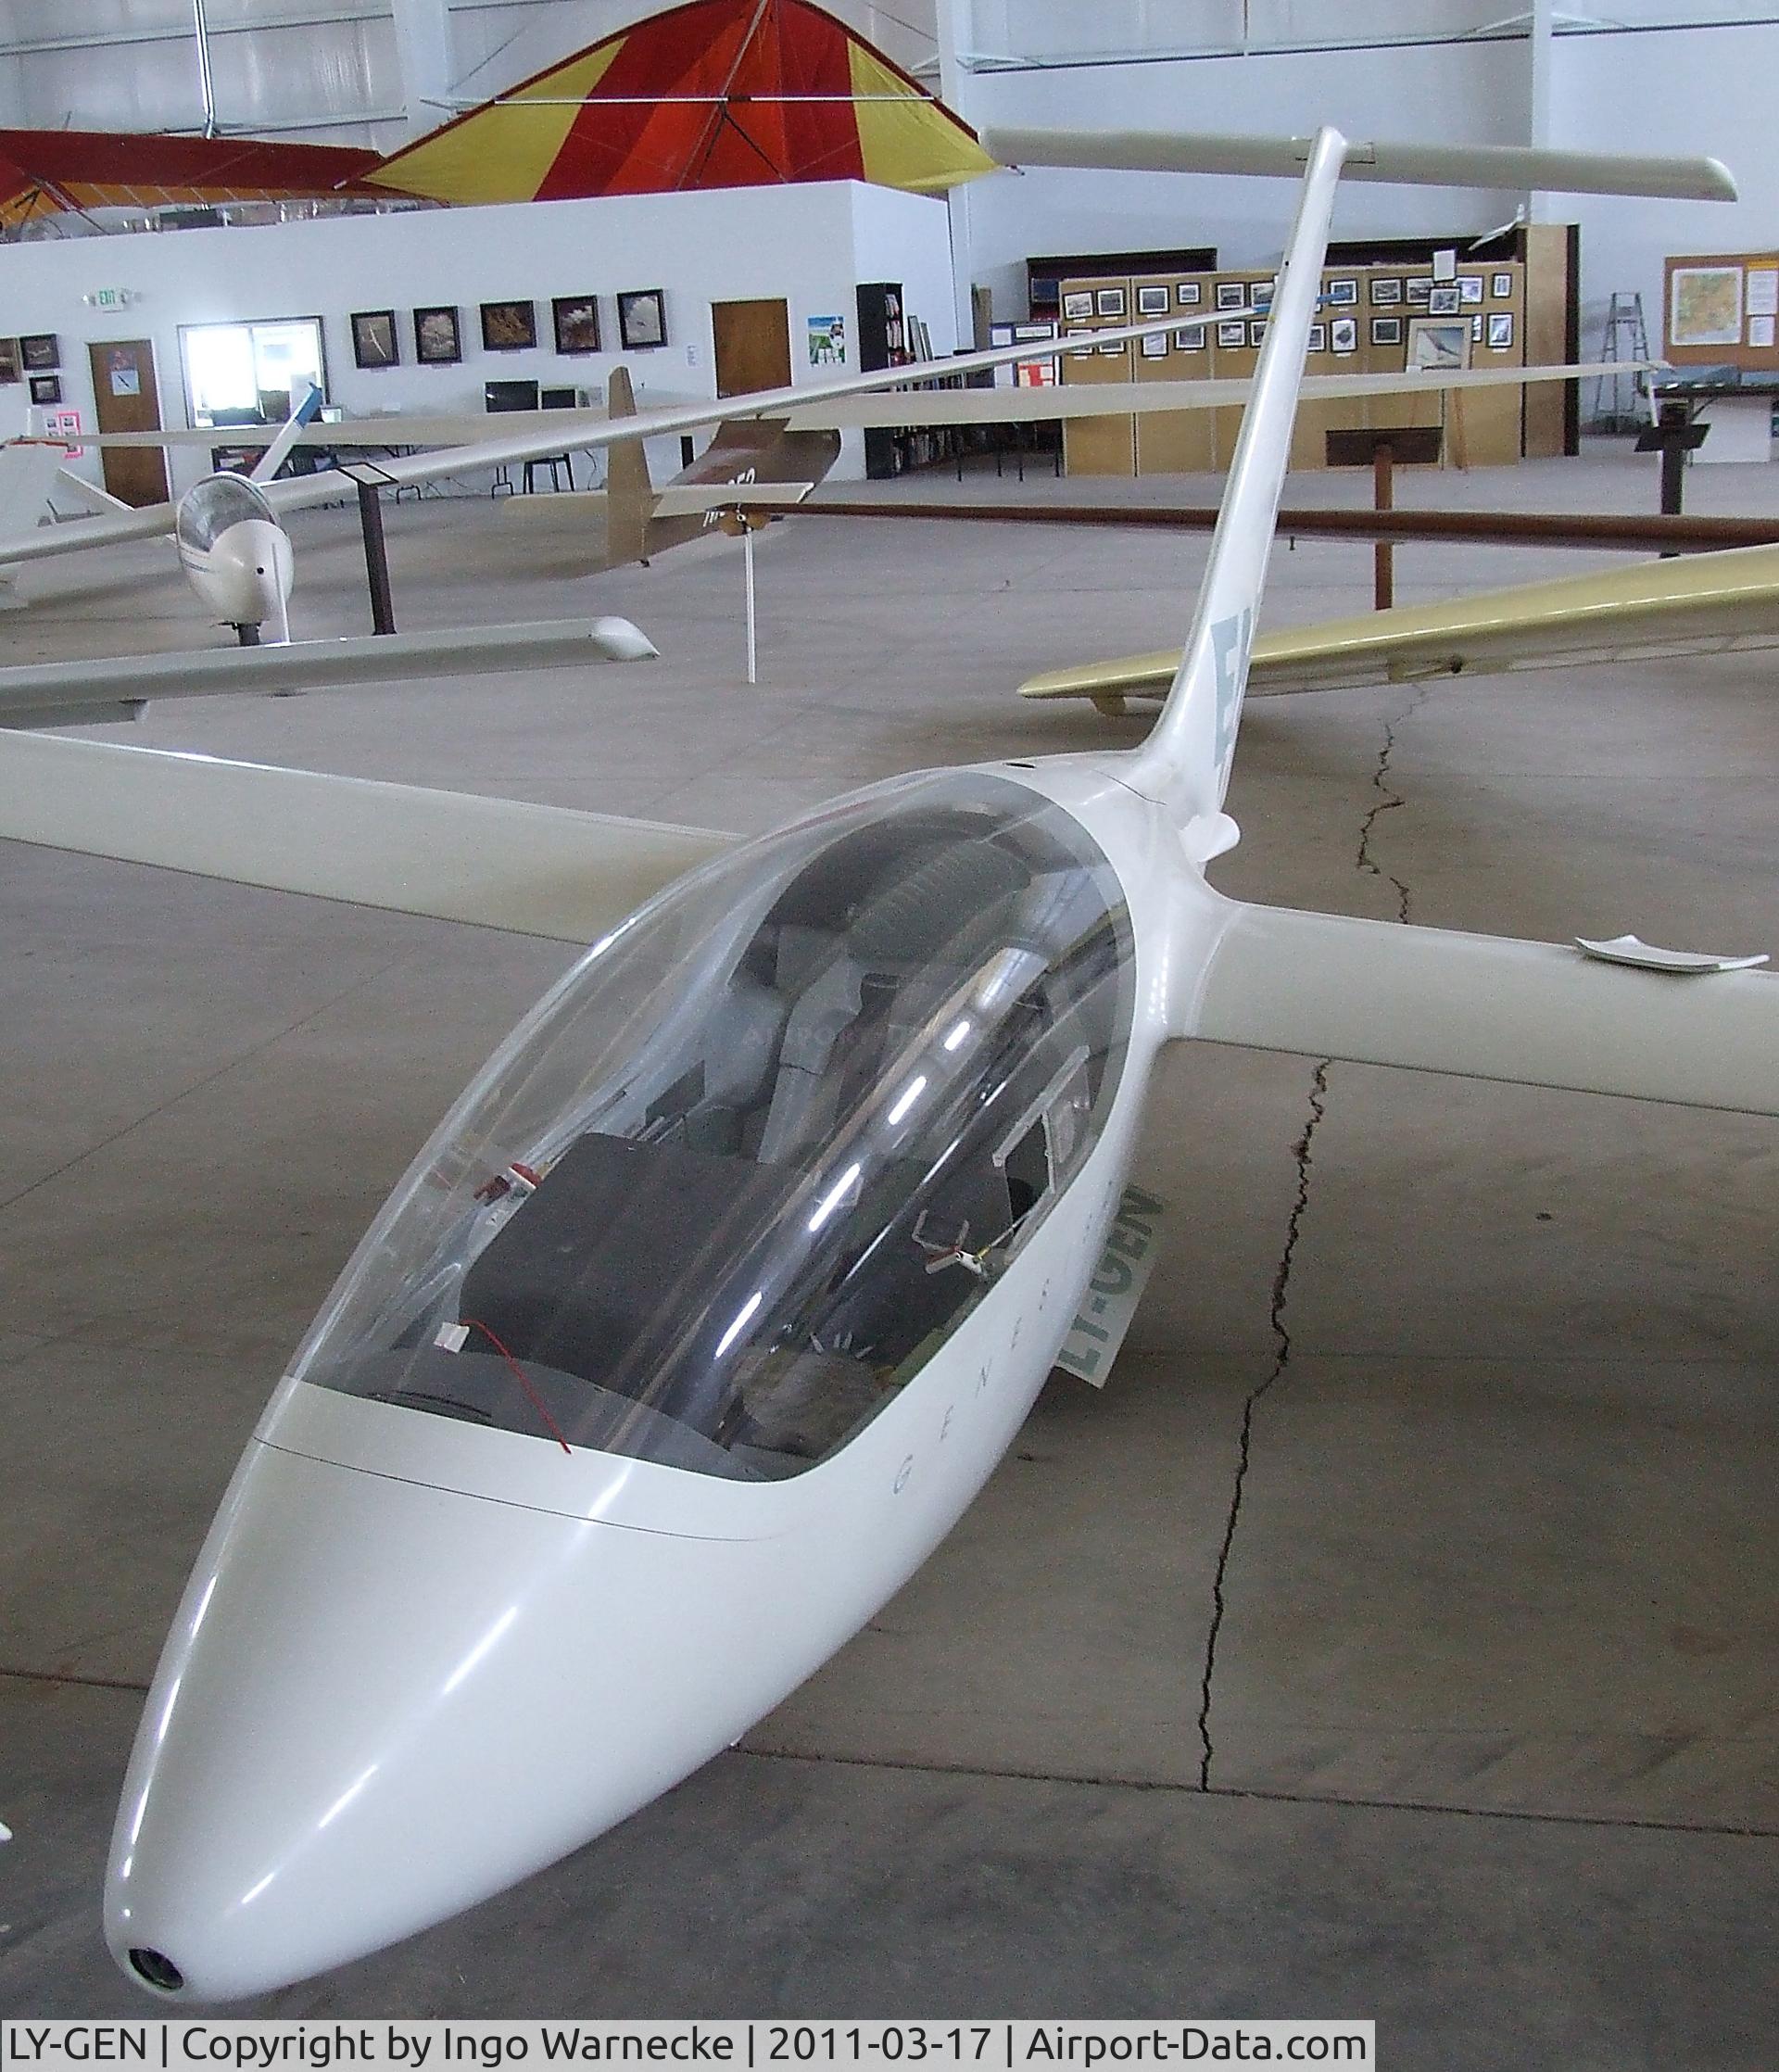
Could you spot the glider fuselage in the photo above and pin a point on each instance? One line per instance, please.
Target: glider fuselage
(693, 1330)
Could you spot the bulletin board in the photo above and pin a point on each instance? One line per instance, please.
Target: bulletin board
(1721, 309)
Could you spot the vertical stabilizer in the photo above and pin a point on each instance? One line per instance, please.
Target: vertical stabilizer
(304, 408)
(629, 494)
(1184, 764)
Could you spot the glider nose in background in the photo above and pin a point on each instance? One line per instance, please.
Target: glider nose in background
(382, 1701)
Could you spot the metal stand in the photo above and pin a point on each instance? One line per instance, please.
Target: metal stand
(747, 562)
(1674, 436)
(1384, 554)
(370, 480)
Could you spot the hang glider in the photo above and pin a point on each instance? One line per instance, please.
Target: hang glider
(717, 94)
(1701, 604)
(716, 1297)
(43, 171)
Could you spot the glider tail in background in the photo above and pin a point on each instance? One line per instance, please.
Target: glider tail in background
(629, 493)
(303, 412)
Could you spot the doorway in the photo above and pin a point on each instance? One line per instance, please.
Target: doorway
(128, 401)
(753, 344)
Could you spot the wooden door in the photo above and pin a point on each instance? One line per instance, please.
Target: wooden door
(128, 401)
(752, 346)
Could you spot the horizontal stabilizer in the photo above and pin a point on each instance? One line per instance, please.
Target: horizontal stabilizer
(498, 863)
(1701, 604)
(89, 690)
(683, 500)
(1536, 1014)
(1504, 167)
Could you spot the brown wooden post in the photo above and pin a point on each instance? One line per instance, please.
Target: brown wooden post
(1384, 574)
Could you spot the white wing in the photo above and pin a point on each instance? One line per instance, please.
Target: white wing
(1022, 406)
(1380, 992)
(537, 870)
(65, 693)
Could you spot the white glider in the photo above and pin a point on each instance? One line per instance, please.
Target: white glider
(719, 1293)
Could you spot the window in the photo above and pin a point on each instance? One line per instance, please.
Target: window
(242, 373)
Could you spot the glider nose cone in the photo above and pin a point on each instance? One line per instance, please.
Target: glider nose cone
(368, 1716)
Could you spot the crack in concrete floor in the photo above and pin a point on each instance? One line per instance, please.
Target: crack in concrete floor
(1303, 1152)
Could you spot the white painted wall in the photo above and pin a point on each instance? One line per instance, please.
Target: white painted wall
(1701, 89)
(810, 244)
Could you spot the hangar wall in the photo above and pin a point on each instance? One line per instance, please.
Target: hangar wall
(810, 244)
(1704, 87)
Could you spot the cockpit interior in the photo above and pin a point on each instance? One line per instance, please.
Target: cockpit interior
(761, 1154)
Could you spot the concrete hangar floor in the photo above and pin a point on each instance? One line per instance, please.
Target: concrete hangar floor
(1394, 1636)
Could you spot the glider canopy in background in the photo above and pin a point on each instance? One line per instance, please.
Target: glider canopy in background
(717, 94)
(45, 170)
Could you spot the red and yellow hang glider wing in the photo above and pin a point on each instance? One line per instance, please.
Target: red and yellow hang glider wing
(716, 94)
(43, 170)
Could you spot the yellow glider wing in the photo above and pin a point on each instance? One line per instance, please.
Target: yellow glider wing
(1701, 604)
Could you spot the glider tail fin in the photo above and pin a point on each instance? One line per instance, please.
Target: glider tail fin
(302, 412)
(629, 493)
(1184, 764)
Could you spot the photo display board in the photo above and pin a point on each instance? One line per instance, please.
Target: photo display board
(1364, 324)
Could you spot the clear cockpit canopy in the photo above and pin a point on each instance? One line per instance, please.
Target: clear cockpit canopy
(759, 1154)
(209, 508)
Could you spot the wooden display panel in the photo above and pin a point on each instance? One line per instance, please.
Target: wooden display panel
(1543, 288)
(1757, 276)
(1230, 362)
(1098, 445)
(1167, 443)
(1486, 424)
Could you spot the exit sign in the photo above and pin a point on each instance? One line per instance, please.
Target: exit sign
(110, 299)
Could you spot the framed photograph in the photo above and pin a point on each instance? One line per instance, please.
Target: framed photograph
(43, 350)
(1077, 305)
(1234, 333)
(1476, 327)
(577, 321)
(373, 338)
(1438, 344)
(1231, 294)
(1084, 350)
(1317, 337)
(9, 360)
(1415, 292)
(1190, 338)
(1152, 302)
(1470, 287)
(1443, 298)
(1344, 335)
(1186, 293)
(1704, 307)
(46, 388)
(508, 326)
(1385, 293)
(1501, 285)
(1258, 331)
(1386, 331)
(1500, 330)
(1114, 352)
(1260, 292)
(437, 341)
(642, 319)
(1154, 346)
(1343, 294)
(1108, 302)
